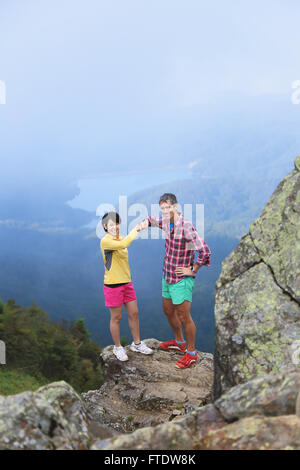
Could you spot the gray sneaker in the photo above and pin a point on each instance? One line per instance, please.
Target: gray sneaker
(141, 348)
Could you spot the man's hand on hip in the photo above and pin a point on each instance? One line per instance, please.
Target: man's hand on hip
(183, 271)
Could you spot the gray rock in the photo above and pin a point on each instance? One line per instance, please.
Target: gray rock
(53, 417)
(271, 395)
(257, 297)
(298, 405)
(182, 433)
(255, 433)
(146, 390)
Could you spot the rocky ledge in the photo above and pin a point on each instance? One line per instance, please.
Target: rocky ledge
(147, 390)
(261, 414)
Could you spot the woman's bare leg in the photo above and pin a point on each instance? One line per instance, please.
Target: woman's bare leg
(133, 319)
(115, 318)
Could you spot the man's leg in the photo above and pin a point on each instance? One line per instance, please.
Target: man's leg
(183, 314)
(170, 311)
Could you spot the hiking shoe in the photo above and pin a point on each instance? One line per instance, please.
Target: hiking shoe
(142, 348)
(186, 361)
(172, 345)
(120, 353)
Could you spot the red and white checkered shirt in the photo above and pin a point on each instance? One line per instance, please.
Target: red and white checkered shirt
(180, 246)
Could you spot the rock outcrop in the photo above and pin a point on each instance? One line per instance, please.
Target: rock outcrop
(51, 418)
(255, 433)
(148, 390)
(260, 414)
(144, 391)
(257, 297)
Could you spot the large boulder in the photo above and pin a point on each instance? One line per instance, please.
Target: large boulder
(257, 297)
(271, 395)
(255, 433)
(51, 418)
(148, 390)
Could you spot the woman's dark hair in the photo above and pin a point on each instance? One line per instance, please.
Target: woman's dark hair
(168, 197)
(114, 216)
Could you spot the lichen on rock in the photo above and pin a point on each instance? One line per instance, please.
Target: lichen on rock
(53, 417)
(257, 296)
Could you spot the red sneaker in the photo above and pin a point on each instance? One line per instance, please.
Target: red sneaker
(186, 361)
(172, 345)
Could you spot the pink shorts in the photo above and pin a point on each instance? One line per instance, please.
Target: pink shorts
(116, 296)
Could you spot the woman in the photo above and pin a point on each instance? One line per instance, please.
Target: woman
(118, 288)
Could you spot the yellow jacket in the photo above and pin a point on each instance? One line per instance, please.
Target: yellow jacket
(115, 256)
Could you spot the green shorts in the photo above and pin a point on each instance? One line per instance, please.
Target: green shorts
(180, 291)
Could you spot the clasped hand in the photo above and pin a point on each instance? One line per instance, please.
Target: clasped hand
(142, 226)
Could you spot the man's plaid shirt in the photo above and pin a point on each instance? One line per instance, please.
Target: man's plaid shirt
(180, 246)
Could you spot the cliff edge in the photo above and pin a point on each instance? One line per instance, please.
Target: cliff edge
(148, 390)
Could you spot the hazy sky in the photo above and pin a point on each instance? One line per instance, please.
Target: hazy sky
(98, 86)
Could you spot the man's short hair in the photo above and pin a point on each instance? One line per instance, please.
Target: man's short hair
(114, 216)
(168, 197)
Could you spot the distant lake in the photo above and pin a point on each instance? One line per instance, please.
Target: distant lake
(108, 187)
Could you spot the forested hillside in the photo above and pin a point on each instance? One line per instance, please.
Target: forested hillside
(39, 351)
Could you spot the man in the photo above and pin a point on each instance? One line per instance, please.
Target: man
(179, 270)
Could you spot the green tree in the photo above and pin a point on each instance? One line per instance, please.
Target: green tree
(124, 341)
(79, 331)
(46, 350)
